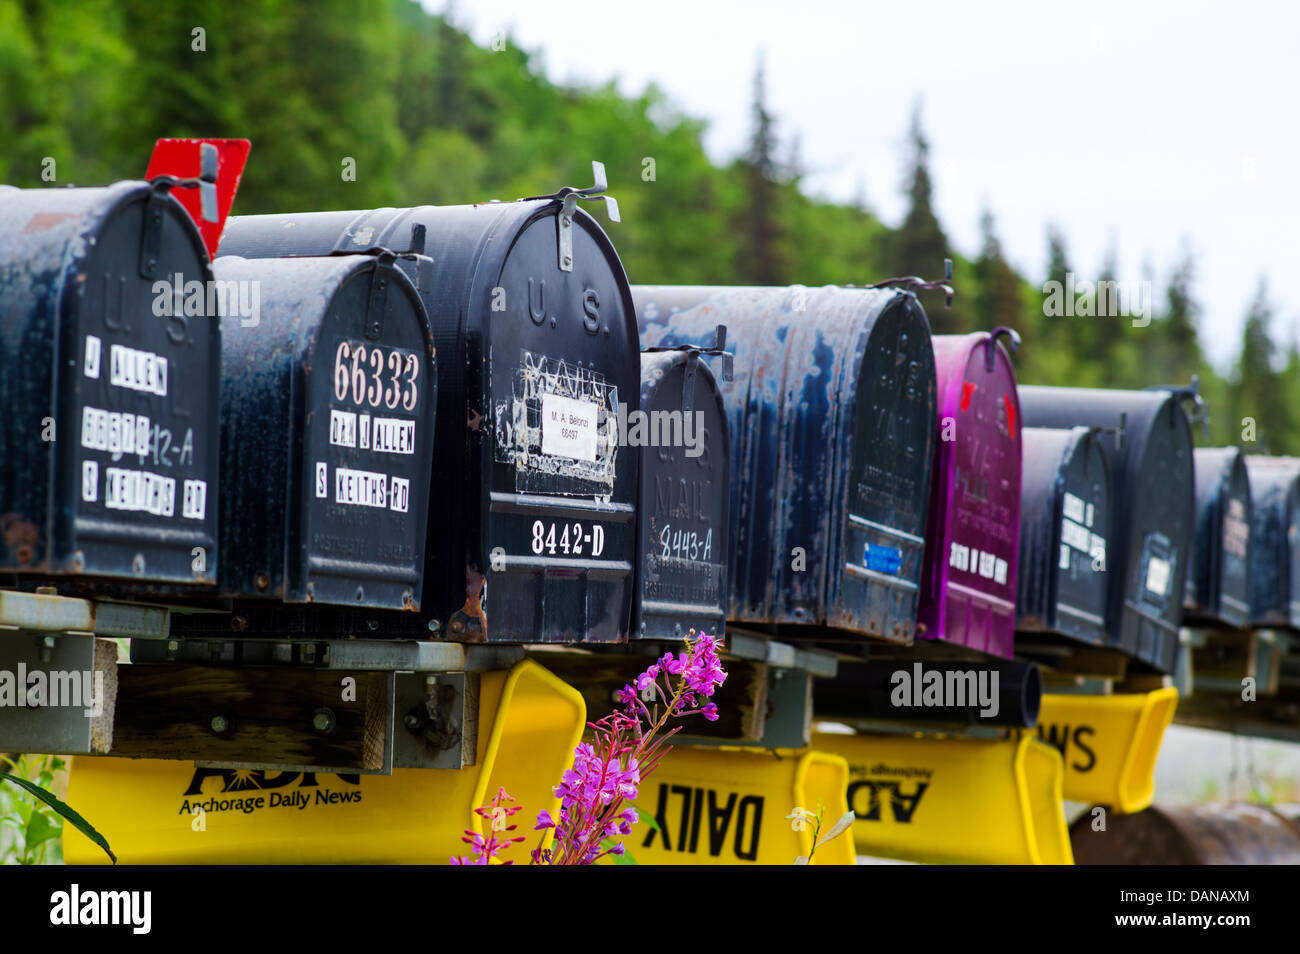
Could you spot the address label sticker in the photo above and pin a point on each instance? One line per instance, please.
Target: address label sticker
(1158, 576)
(569, 427)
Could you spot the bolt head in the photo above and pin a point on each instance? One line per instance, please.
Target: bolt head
(220, 724)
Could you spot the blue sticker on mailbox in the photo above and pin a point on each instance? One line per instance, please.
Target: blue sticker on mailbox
(882, 559)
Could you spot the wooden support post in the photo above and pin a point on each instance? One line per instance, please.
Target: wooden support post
(334, 720)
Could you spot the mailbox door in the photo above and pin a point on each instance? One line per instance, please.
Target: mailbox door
(968, 596)
(108, 339)
(369, 389)
(559, 504)
(1083, 532)
(685, 498)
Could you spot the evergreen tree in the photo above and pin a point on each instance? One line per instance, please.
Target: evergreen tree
(999, 300)
(1259, 400)
(920, 245)
(1180, 350)
(764, 258)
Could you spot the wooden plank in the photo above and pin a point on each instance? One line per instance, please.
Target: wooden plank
(1226, 658)
(1270, 718)
(101, 726)
(167, 712)
(1095, 661)
(1143, 682)
(741, 700)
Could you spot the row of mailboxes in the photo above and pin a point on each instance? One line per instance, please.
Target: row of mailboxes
(428, 420)
(1148, 448)
(532, 501)
(442, 418)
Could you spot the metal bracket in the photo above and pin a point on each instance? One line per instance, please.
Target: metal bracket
(436, 720)
(568, 197)
(913, 284)
(1013, 344)
(385, 266)
(564, 222)
(693, 353)
(1191, 392)
(206, 183)
(51, 613)
(1118, 430)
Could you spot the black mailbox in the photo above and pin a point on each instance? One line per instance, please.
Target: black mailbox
(109, 385)
(832, 415)
(532, 535)
(1153, 506)
(1065, 523)
(1218, 572)
(327, 431)
(1275, 541)
(681, 430)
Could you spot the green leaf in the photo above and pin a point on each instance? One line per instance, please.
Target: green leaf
(63, 809)
(839, 828)
(40, 829)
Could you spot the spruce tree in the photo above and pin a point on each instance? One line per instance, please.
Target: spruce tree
(764, 258)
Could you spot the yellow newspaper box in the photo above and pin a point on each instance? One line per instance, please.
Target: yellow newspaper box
(728, 806)
(1109, 744)
(165, 812)
(958, 801)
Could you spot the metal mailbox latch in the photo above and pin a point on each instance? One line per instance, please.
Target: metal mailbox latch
(206, 183)
(914, 284)
(1013, 344)
(569, 197)
(693, 353)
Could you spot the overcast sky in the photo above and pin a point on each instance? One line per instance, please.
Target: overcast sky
(1145, 124)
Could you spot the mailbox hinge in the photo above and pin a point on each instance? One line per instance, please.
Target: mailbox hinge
(385, 266)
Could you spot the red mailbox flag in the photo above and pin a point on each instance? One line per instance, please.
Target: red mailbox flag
(218, 164)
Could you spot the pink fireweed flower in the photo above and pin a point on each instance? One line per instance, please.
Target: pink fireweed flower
(625, 748)
(487, 849)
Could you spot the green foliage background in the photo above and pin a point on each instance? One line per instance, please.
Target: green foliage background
(429, 117)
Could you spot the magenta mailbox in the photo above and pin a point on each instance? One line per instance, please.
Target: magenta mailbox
(968, 585)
